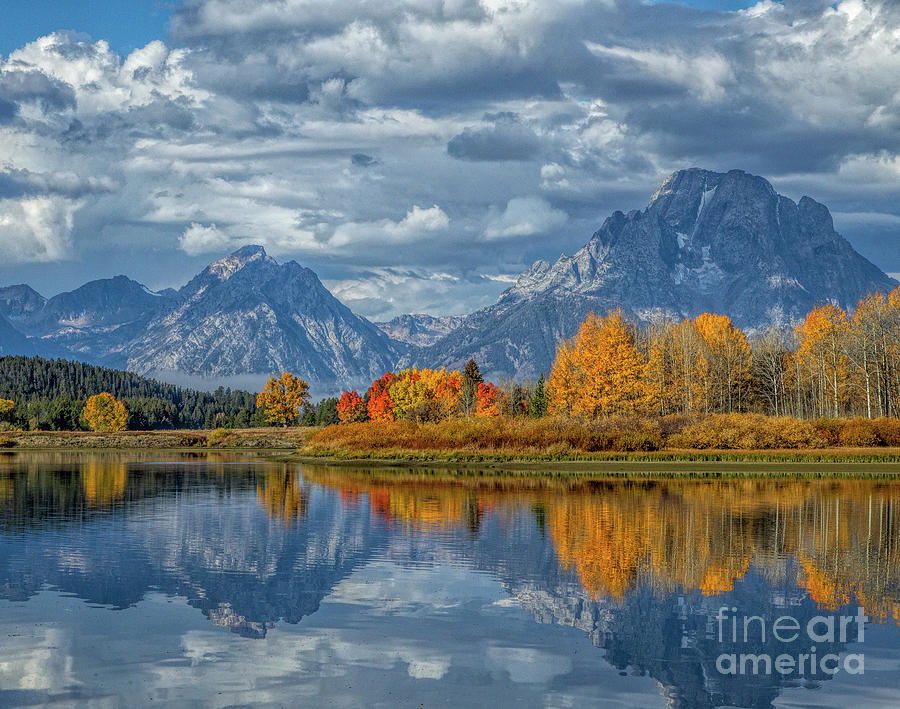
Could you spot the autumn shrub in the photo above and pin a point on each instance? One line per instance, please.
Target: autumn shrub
(888, 430)
(638, 441)
(671, 424)
(6, 442)
(218, 436)
(521, 434)
(747, 432)
(828, 430)
(860, 433)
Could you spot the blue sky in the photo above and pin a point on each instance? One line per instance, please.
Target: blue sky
(419, 154)
(125, 25)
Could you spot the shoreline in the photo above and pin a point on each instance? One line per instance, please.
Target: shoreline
(289, 446)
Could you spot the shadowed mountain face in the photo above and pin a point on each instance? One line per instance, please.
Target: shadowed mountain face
(725, 243)
(12, 341)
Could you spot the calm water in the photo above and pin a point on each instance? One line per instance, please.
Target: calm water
(132, 580)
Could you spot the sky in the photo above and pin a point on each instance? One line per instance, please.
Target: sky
(418, 155)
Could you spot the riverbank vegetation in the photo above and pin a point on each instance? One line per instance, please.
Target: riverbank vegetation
(563, 438)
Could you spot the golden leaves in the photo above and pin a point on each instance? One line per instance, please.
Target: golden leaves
(282, 398)
(103, 412)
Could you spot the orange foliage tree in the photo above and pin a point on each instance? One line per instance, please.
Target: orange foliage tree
(601, 371)
(380, 406)
(283, 398)
(103, 412)
(728, 360)
(486, 400)
(351, 407)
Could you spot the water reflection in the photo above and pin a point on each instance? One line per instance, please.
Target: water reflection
(447, 569)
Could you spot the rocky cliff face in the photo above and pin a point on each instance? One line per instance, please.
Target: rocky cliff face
(725, 243)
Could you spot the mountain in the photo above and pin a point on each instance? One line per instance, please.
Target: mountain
(246, 313)
(20, 302)
(420, 330)
(97, 321)
(707, 241)
(13, 342)
(243, 314)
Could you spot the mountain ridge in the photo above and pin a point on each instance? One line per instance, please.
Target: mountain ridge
(706, 241)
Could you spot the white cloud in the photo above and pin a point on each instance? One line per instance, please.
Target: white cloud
(249, 118)
(419, 223)
(707, 75)
(524, 216)
(36, 228)
(199, 239)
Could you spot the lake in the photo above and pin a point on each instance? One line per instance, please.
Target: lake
(212, 579)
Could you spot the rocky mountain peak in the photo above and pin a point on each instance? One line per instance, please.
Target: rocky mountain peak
(226, 267)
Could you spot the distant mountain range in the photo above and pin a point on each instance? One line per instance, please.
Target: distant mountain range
(707, 241)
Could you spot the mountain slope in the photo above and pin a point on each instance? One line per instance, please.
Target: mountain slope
(96, 321)
(13, 342)
(418, 329)
(20, 302)
(248, 314)
(720, 242)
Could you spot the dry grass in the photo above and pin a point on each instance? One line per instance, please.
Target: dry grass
(562, 439)
(551, 437)
(260, 438)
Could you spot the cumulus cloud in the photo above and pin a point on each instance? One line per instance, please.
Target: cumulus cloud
(330, 132)
(200, 239)
(524, 216)
(418, 224)
(36, 228)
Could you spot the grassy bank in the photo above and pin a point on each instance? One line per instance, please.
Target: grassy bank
(260, 438)
(716, 440)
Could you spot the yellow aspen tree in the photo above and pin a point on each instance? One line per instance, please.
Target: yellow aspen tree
(564, 382)
(662, 366)
(865, 339)
(7, 407)
(282, 398)
(426, 394)
(692, 366)
(605, 372)
(729, 357)
(103, 412)
(822, 337)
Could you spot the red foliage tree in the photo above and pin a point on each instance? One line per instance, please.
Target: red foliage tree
(380, 406)
(351, 408)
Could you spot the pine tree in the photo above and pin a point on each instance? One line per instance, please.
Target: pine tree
(537, 406)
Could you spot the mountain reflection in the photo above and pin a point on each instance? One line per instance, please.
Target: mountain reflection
(641, 566)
